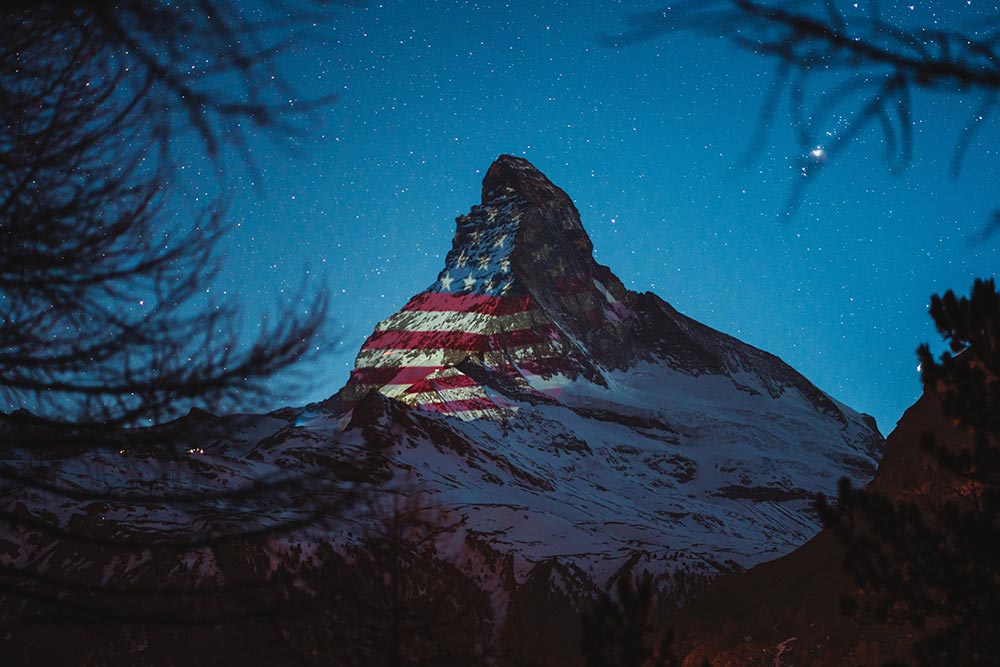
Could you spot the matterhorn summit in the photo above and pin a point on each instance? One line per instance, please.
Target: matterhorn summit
(518, 300)
(614, 422)
(565, 430)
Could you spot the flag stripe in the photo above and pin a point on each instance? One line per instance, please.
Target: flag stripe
(442, 383)
(469, 303)
(382, 375)
(445, 395)
(448, 407)
(457, 340)
(475, 311)
(421, 379)
(429, 320)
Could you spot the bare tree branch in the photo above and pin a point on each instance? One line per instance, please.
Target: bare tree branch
(106, 313)
(830, 56)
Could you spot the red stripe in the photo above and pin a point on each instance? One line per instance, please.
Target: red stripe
(426, 340)
(383, 375)
(457, 340)
(469, 303)
(540, 334)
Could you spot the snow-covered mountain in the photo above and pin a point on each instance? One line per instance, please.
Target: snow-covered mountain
(558, 428)
(596, 422)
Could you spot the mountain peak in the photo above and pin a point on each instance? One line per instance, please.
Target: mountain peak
(519, 296)
(510, 175)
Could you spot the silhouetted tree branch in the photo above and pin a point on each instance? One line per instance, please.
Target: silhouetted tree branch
(106, 313)
(108, 319)
(844, 59)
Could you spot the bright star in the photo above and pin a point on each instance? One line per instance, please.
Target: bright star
(469, 281)
(446, 282)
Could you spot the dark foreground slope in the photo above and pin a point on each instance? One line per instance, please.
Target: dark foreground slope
(786, 612)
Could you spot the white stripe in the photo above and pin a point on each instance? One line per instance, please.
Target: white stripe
(447, 395)
(440, 320)
(392, 390)
(429, 357)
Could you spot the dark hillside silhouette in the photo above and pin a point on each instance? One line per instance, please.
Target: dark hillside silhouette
(937, 567)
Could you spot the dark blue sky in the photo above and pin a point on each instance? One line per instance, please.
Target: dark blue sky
(647, 140)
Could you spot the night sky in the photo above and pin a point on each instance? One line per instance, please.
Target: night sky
(647, 140)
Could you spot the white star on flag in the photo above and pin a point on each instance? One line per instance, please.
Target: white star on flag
(474, 311)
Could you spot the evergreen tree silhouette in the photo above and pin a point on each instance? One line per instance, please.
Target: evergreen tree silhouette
(620, 630)
(398, 602)
(937, 567)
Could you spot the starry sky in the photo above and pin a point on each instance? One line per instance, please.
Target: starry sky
(648, 141)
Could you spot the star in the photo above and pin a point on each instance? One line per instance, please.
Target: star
(504, 265)
(469, 281)
(476, 236)
(506, 287)
(446, 282)
(501, 241)
(461, 260)
(484, 262)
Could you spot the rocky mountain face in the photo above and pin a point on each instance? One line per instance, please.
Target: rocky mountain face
(519, 434)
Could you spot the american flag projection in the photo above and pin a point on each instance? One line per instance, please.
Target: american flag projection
(475, 311)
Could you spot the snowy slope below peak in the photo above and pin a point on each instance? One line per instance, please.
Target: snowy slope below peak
(691, 470)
